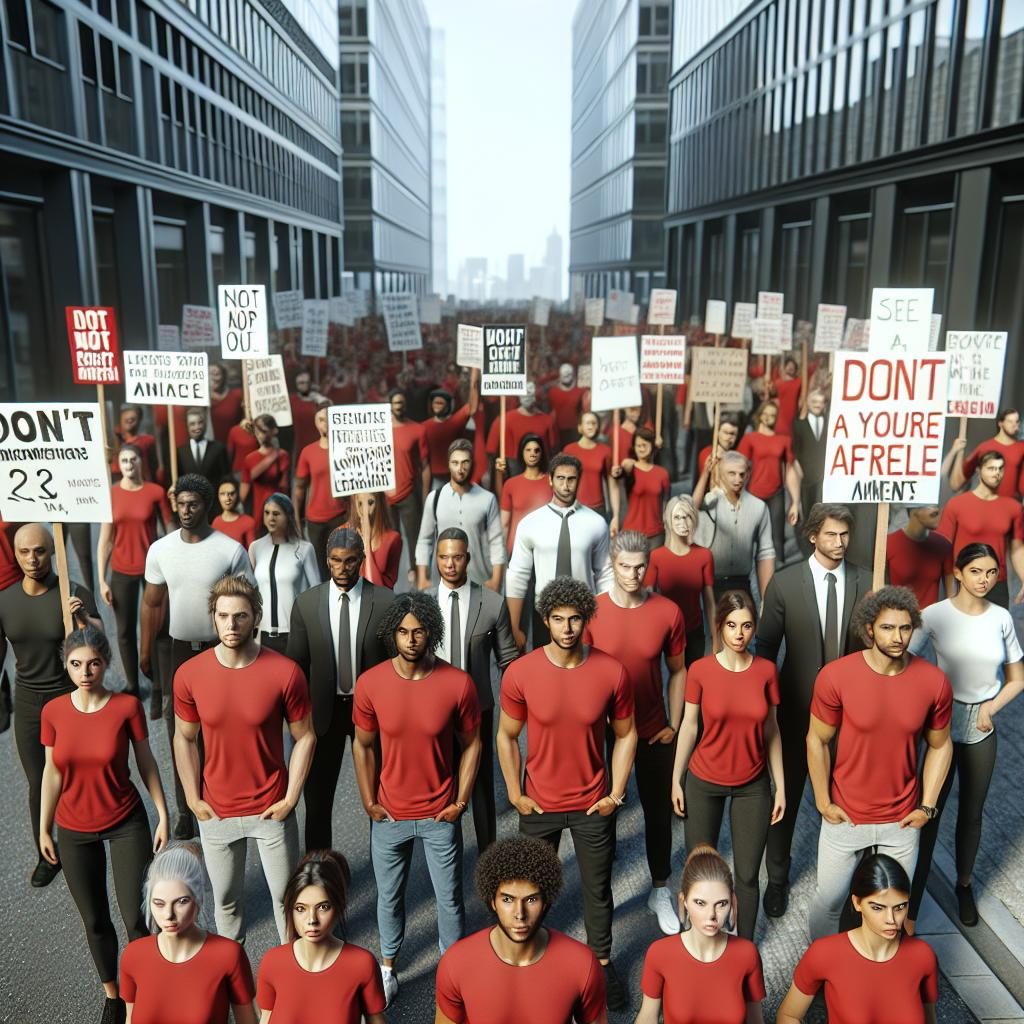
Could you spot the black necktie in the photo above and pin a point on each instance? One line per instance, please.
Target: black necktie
(345, 681)
(273, 588)
(831, 620)
(563, 560)
(455, 639)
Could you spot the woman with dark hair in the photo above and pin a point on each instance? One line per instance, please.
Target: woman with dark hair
(873, 974)
(226, 405)
(87, 786)
(527, 491)
(372, 521)
(703, 965)
(317, 977)
(264, 471)
(736, 695)
(235, 524)
(975, 643)
(648, 488)
(597, 489)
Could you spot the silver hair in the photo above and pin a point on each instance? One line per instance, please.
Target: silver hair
(630, 542)
(689, 510)
(734, 456)
(179, 863)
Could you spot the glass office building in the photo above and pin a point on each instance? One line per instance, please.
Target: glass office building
(152, 149)
(620, 70)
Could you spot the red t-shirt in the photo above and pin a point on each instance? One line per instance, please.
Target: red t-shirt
(407, 436)
(968, 518)
(637, 638)
(880, 721)
(242, 713)
(787, 395)
(146, 443)
(242, 529)
(199, 991)
(315, 466)
(344, 993)
(766, 452)
(733, 707)
(693, 992)
(918, 564)
(474, 985)
(134, 515)
(682, 578)
(648, 493)
(386, 559)
(565, 406)
(224, 414)
(1010, 485)
(417, 720)
(91, 753)
(435, 437)
(520, 496)
(517, 426)
(859, 990)
(240, 443)
(597, 464)
(565, 712)
(274, 478)
(304, 420)
(10, 571)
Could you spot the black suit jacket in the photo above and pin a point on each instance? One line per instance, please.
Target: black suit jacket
(215, 465)
(311, 644)
(810, 453)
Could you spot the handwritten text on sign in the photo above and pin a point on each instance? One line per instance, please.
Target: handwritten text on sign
(242, 312)
(470, 346)
(901, 320)
(886, 429)
(92, 335)
(361, 448)
(315, 316)
(662, 307)
(166, 378)
(504, 370)
(402, 321)
(663, 359)
(615, 374)
(52, 467)
(268, 389)
(718, 375)
(975, 372)
(197, 328)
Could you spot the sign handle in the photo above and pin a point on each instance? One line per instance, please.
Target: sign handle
(804, 371)
(881, 536)
(501, 426)
(63, 580)
(963, 429)
(615, 437)
(245, 388)
(101, 398)
(657, 416)
(172, 444)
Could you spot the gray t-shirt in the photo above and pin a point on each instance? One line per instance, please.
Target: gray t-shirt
(189, 571)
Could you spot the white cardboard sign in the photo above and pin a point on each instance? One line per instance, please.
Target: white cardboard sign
(619, 306)
(662, 307)
(743, 320)
(540, 312)
(718, 375)
(242, 312)
(593, 315)
(430, 309)
(767, 337)
(583, 376)
(769, 305)
(975, 373)
(402, 320)
(361, 448)
(339, 310)
(828, 331)
(268, 390)
(166, 378)
(663, 359)
(315, 316)
(198, 328)
(168, 338)
(615, 374)
(288, 309)
(901, 320)
(469, 350)
(714, 316)
(787, 332)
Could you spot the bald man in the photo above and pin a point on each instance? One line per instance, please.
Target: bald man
(32, 622)
(566, 402)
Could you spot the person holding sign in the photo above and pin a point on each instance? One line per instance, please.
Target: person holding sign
(383, 545)
(809, 439)
(523, 420)
(728, 435)
(198, 455)
(265, 471)
(648, 488)
(597, 490)
(444, 427)
(239, 526)
(1006, 444)
(786, 388)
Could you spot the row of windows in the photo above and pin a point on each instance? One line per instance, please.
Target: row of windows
(352, 23)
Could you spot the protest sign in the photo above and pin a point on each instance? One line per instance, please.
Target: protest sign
(268, 389)
(975, 373)
(430, 309)
(900, 320)
(198, 328)
(634, 314)
(92, 335)
(52, 464)
(167, 338)
(935, 332)
(540, 312)
(718, 375)
(593, 312)
(661, 310)
(769, 305)
(663, 359)
(583, 376)
(615, 374)
(469, 348)
(619, 306)
(743, 320)
(886, 425)
(166, 378)
(787, 332)
(288, 309)
(504, 360)
(579, 295)
(242, 312)
(714, 316)
(339, 310)
(315, 315)
(767, 337)
(855, 336)
(359, 303)
(828, 331)
(361, 448)
(402, 321)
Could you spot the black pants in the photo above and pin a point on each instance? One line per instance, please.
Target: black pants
(653, 766)
(777, 514)
(322, 780)
(163, 675)
(277, 643)
(28, 710)
(80, 535)
(485, 817)
(974, 764)
(125, 591)
(181, 651)
(318, 534)
(695, 644)
(793, 727)
(593, 839)
(85, 867)
(406, 516)
(750, 813)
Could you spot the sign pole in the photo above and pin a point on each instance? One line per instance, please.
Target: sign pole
(63, 580)
(804, 371)
(101, 397)
(615, 437)
(501, 426)
(658, 441)
(881, 535)
(172, 445)
(245, 387)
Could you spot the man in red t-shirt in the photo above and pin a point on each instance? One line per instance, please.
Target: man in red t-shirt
(566, 402)
(881, 702)
(481, 978)
(240, 695)
(1005, 442)
(918, 557)
(565, 694)
(787, 388)
(406, 500)
(443, 427)
(304, 402)
(412, 709)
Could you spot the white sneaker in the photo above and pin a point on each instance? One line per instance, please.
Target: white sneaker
(390, 980)
(660, 904)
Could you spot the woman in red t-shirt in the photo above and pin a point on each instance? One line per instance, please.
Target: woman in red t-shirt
(237, 525)
(383, 546)
(736, 695)
(265, 471)
(596, 480)
(137, 507)
(648, 487)
(87, 787)
(527, 491)
(873, 974)
(225, 403)
(316, 976)
(685, 974)
(183, 974)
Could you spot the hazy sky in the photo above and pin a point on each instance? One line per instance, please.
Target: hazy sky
(508, 66)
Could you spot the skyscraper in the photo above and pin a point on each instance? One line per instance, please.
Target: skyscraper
(438, 165)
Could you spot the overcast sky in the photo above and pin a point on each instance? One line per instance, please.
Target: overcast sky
(508, 67)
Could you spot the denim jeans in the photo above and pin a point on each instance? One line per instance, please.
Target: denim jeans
(391, 845)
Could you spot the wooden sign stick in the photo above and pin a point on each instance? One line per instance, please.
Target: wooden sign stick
(63, 580)
(804, 369)
(881, 537)
(172, 444)
(245, 388)
(615, 437)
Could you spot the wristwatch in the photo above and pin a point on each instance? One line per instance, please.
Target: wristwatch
(932, 812)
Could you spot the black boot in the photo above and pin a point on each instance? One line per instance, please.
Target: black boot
(44, 873)
(114, 1011)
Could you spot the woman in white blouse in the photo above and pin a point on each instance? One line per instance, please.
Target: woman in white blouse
(976, 645)
(285, 566)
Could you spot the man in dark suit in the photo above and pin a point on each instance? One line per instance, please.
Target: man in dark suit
(208, 458)
(333, 637)
(809, 605)
(809, 452)
(483, 630)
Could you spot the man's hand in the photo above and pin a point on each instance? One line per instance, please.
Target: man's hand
(75, 606)
(616, 472)
(451, 814)
(378, 812)
(667, 735)
(793, 515)
(500, 464)
(106, 595)
(834, 814)
(202, 810)
(606, 807)
(520, 638)
(526, 805)
(915, 819)
(278, 811)
(160, 835)
(422, 579)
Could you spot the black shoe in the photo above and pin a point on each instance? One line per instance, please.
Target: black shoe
(183, 827)
(967, 907)
(615, 992)
(44, 874)
(114, 1011)
(776, 899)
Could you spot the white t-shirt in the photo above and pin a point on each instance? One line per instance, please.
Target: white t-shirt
(970, 649)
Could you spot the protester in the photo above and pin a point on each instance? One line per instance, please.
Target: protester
(1006, 444)
(597, 489)
(518, 969)
(198, 454)
(241, 443)
(525, 419)
(632, 418)
(226, 405)
(304, 401)
(232, 522)
(127, 432)
(406, 500)
(918, 557)
(809, 440)
(526, 491)
(383, 546)
(265, 470)
(648, 489)
(728, 435)
(787, 388)
(565, 402)
(442, 429)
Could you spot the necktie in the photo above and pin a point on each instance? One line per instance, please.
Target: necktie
(831, 620)
(195, 451)
(817, 428)
(273, 587)
(563, 560)
(455, 638)
(345, 681)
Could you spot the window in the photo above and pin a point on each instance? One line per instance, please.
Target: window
(795, 250)
(354, 74)
(355, 131)
(651, 74)
(941, 70)
(972, 54)
(749, 250)
(355, 188)
(1009, 79)
(650, 131)
(352, 19)
(924, 249)
(649, 188)
(169, 249)
(106, 258)
(849, 264)
(654, 18)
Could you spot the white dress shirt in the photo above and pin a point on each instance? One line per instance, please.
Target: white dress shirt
(817, 424)
(199, 449)
(444, 599)
(354, 598)
(818, 572)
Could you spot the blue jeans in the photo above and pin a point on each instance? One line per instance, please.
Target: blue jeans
(391, 844)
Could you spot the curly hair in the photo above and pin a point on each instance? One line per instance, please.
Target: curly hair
(566, 592)
(193, 483)
(519, 859)
(898, 599)
(421, 607)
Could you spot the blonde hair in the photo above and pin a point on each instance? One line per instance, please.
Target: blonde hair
(236, 586)
(690, 511)
(705, 864)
